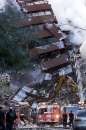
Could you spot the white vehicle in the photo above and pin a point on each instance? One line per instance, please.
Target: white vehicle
(80, 120)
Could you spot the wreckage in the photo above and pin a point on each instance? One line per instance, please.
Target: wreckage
(55, 59)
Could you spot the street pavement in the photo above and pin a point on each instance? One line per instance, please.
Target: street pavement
(59, 127)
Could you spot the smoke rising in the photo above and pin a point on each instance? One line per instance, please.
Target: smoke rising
(2, 5)
(12, 3)
(71, 15)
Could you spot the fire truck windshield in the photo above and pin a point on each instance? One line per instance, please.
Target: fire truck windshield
(42, 110)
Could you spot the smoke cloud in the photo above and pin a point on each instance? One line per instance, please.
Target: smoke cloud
(71, 15)
(12, 3)
(2, 5)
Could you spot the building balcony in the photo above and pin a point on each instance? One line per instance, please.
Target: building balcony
(38, 7)
(36, 20)
(48, 50)
(55, 63)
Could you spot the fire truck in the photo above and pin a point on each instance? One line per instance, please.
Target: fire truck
(48, 114)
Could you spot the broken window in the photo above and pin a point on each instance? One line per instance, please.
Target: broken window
(22, 94)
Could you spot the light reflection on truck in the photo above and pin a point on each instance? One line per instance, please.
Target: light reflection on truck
(48, 114)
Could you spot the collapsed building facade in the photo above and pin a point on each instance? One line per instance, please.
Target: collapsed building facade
(56, 56)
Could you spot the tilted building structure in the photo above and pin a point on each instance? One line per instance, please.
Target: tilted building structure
(56, 57)
(44, 25)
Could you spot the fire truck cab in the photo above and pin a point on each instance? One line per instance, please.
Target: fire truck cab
(48, 114)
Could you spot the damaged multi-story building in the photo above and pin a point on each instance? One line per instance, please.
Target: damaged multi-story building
(55, 55)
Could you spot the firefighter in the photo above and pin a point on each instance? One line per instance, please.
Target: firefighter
(65, 119)
(71, 118)
(10, 118)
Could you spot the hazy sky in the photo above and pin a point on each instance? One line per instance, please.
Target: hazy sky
(74, 11)
(2, 3)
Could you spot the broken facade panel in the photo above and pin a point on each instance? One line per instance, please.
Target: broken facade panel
(43, 51)
(22, 94)
(54, 63)
(45, 34)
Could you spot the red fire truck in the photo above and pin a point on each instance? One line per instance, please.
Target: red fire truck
(48, 114)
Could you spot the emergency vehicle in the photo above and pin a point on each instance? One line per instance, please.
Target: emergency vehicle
(48, 114)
